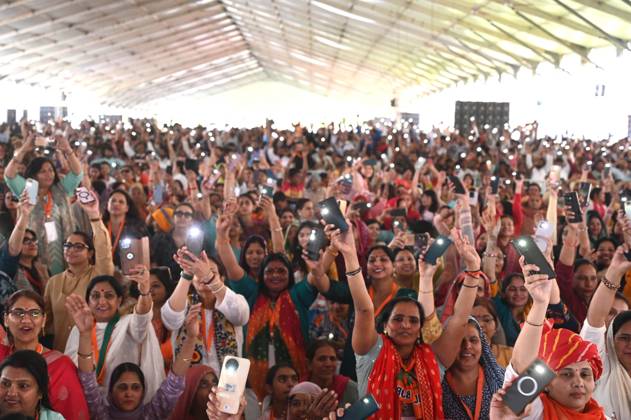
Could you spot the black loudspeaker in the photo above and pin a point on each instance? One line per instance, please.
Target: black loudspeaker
(495, 114)
(46, 113)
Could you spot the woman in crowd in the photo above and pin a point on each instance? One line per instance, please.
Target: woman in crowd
(512, 305)
(24, 319)
(116, 338)
(123, 220)
(51, 218)
(86, 258)
(308, 401)
(596, 227)
(386, 357)
(200, 379)
(486, 316)
(223, 313)
(405, 270)
(322, 359)
(161, 289)
(279, 380)
(299, 244)
(18, 257)
(127, 386)
(24, 386)
(473, 378)
(575, 361)
(613, 390)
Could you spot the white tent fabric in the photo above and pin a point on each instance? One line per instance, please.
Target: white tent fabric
(135, 51)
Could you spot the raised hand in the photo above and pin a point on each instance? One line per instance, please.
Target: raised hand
(24, 207)
(619, 264)
(63, 144)
(230, 206)
(466, 250)
(91, 209)
(314, 266)
(80, 313)
(342, 241)
(499, 409)
(191, 323)
(539, 286)
(140, 275)
(213, 407)
(191, 263)
(223, 224)
(322, 405)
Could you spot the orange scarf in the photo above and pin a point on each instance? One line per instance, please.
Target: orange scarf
(552, 410)
(277, 324)
(382, 380)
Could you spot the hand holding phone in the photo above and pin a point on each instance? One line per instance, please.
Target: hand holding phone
(459, 187)
(84, 196)
(495, 184)
(195, 240)
(527, 386)
(316, 242)
(133, 252)
(232, 380)
(361, 409)
(571, 200)
(527, 248)
(32, 187)
(331, 214)
(437, 249)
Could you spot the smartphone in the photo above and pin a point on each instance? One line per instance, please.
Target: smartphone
(473, 197)
(331, 213)
(346, 184)
(457, 184)
(527, 386)
(195, 240)
(527, 247)
(132, 252)
(627, 208)
(32, 187)
(361, 409)
(266, 190)
(571, 200)
(437, 249)
(191, 165)
(232, 380)
(84, 196)
(420, 243)
(398, 212)
(315, 244)
(495, 184)
(234, 161)
(209, 182)
(583, 191)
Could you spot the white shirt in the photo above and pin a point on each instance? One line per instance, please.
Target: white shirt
(233, 306)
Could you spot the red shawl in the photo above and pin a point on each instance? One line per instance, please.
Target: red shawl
(382, 379)
(552, 410)
(185, 402)
(64, 389)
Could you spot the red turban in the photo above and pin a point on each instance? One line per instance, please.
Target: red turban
(560, 347)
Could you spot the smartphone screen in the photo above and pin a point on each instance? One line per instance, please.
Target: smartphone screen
(420, 243)
(437, 249)
(527, 386)
(527, 247)
(232, 380)
(457, 184)
(361, 409)
(32, 187)
(331, 213)
(571, 201)
(583, 191)
(495, 184)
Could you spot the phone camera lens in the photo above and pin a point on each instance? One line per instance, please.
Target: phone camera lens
(232, 365)
(129, 255)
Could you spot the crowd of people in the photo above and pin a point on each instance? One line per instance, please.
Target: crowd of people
(86, 336)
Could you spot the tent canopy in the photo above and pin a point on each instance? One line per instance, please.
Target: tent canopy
(135, 51)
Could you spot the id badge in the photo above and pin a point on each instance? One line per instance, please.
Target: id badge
(51, 231)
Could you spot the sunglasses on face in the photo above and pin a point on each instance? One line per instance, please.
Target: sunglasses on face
(76, 246)
(183, 214)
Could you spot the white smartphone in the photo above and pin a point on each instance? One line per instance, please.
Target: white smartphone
(234, 375)
(31, 187)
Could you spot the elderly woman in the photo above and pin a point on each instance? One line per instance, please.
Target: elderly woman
(613, 390)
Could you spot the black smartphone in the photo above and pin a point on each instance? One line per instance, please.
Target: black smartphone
(527, 386)
(437, 249)
(315, 244)
(457, 184)
(361, 409)
(266, 190)
(571, 200)
(398, 212)
(527, 247)
(191, 164)
(195, 240)
(495, 184)
(331, 213)
(583, 191)
(420, 243)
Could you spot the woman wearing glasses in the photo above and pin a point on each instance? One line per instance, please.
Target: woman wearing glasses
(116, 338)
(85, 259)
(18, 257)
(24, 319)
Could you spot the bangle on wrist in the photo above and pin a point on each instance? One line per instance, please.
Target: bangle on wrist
(186, 276)
(144, 294)
(609, 285)
(353, 272)
(474, 286)
(85, 356)
(95, 219)
(278, 229)
(534, 325)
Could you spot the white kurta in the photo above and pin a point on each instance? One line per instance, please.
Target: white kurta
(133, 340)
